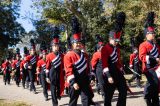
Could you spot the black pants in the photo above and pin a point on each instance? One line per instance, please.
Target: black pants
(84, 91)
(120, 84)
(151, 89)
(39, 81)
(32, 79)
(44, 83)
(99, 76)
(54, 76)
(55, 92)
(17, 77)
(25, 77)
(7, 78)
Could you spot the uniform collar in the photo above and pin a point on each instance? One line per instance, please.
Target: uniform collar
(56, 53)
(111, 45)
(150, 41)
(77, 52)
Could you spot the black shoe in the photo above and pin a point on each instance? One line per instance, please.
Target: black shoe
(59, 97)
(27, 86)
(30, 90)
(92, 103)
(66, 91)
(55, 104)
(38, 83)
(46, 98)
(139, 86)
(98, 91)
(102, 95)
(4, 83)
(34, 92)
(23, 86)
(129, 83)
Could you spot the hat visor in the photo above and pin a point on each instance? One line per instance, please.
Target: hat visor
(44, 53)
(117, 40)
(54, 44)
(75, 41)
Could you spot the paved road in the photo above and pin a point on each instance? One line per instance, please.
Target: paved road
(12, 92)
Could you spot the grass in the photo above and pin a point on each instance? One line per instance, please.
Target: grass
(4, 102)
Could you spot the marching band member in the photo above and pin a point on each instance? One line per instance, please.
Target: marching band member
(112, 67)
(148, 54)
(55, 69)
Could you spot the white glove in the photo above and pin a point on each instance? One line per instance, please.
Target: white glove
(47, 79)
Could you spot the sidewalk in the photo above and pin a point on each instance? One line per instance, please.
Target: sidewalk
(12, 92)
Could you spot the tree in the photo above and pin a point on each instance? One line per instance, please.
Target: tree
(44, 30)
(89, 13)
(10, 29)
(98, 16)
(136, 12)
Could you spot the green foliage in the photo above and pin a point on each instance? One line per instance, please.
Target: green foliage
(89, 13)
(44, 30)
(97, 17)
(10, 29)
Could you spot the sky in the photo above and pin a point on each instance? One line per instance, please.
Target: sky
(25, 10)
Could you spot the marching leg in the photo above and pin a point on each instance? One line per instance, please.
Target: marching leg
(122, 89)
(53, 94)
(74, 94)
(108, 94)
(44, 85)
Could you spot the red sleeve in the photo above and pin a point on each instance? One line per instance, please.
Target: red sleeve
(38, 58)
(62, 57)
(119, 63)
(159, 49)
(68, 66)
(48, 62)
(21, 65)
(94, 60)
(88, 65)
(13, 65)
(142, 53)
(38, 64)
(62, 81)
(38, 67)
(142, 56)
(131, 60)
(105, 56)
(27, 58)
(3, 66)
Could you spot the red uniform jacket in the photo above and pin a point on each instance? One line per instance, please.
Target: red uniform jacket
(133, 58)
(41, 65)
(111, 53)
(158, 49)
(32, 60)
(147, 53)
(95, 58)
(16, 64)
(23, 65)
(5, 65)
(72, 58)
(51, 57)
